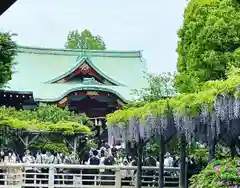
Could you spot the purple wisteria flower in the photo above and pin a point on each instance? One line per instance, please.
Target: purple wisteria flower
(217, 167)
(221, 183)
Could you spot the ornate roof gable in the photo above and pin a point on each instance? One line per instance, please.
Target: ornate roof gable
(87, 73)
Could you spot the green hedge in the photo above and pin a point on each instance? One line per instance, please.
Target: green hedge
(224, 173)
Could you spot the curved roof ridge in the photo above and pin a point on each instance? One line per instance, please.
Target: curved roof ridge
(80, 61)
(74, 52)
(83, 88)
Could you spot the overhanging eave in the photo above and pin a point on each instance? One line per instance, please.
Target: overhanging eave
(6, 4)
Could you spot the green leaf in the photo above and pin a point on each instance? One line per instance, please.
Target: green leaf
(84, 40)
(208, 43)
(8, 50)
(45, 118)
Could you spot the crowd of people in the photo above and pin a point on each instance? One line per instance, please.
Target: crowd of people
(105, 155)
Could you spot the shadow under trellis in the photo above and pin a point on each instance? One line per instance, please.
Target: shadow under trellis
(25, 139)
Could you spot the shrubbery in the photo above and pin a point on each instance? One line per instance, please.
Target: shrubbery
(224, 173)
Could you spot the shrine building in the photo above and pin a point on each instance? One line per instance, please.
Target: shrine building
(86, 81)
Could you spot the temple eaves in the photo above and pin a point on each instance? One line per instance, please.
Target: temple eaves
(5, 5)
(80, 52)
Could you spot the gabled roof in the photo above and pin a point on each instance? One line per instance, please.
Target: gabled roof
(37, 68)
(81, 60)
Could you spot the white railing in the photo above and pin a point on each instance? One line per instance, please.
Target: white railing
(81, 176)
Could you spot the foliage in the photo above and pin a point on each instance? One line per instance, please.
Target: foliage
(46, 113)
(45, 118)
(8, 50)
(198, 153)
(36, 126)
(208, 42)
(152, 148)
(160, 86)
(50, 146)
(223, 173)
(184, 104)
(91, 144)
(84, 40)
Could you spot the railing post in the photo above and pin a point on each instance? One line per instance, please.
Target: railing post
(118, 178)
(51, 177)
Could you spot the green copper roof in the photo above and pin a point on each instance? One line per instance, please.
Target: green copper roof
(37, 68)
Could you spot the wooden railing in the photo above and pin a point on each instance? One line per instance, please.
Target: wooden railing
(71, 176)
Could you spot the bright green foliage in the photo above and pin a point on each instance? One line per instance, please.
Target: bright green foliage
(7, 52)
(160, 86)
(91, 144)
(45, 118)
(218, 174)
(49, 113)
(50, 146)
(84, 40)
(208, 43)
(36, 126)
(184, 104)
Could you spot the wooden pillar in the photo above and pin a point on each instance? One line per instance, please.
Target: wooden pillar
(26, 142)
(211, 150)
(161, 161)
(232, 141)
(98, 131)
(183, 173)
(6, 140)
(75, 143)
(139, 164)
(211, 141)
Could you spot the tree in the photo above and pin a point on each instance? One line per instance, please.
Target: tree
(8, 50)
(208, 43)
(84, 40)
(159, 86)
(45, 118)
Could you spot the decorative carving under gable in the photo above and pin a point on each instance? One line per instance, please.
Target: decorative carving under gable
(84, 71)
(90, 81)
(85, 68)
(61, 81)
(92, 93)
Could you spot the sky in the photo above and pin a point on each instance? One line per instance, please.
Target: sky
(148, 25)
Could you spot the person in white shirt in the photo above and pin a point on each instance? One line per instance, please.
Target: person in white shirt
(53, 159)
(29, 159)
(168, 161)
(103, 154)
(44, 159)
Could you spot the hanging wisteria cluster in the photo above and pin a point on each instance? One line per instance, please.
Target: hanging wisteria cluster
(202, 125)
(206, 115)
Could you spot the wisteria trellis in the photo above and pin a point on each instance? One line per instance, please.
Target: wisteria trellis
(226, 109)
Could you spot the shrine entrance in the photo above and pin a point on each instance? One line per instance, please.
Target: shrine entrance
(95, 104)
